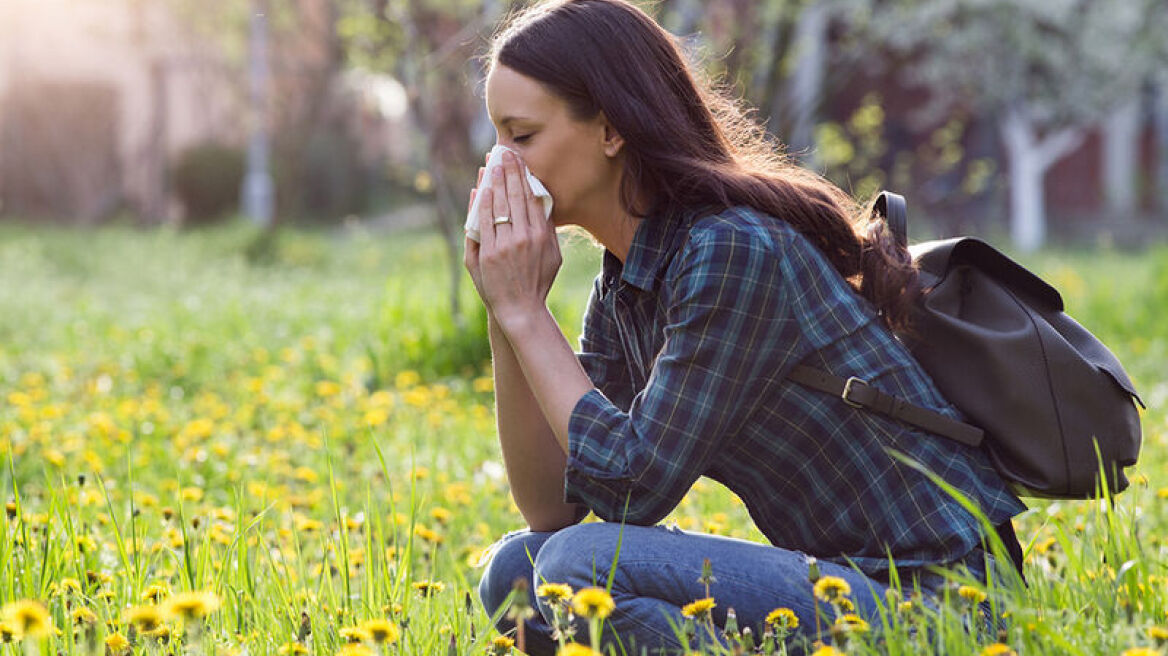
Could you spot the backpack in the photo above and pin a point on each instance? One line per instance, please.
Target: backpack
(1040, 391)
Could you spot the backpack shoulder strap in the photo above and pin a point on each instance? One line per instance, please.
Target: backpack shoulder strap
(892, 207)
(860, 394)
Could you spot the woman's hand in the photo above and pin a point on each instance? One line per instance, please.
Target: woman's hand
(514, 265)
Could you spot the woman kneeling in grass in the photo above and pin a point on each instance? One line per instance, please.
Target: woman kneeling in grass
(725, 266)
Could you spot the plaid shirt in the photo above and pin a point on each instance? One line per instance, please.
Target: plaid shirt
(688, 344)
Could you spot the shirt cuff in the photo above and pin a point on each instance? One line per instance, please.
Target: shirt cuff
(596, 471)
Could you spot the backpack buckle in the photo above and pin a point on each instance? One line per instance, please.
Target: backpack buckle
(848, 390)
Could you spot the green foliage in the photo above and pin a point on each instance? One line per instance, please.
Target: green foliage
(207, 179)
(851, 152)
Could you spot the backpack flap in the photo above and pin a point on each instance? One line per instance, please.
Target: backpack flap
(935, 258)
(995, 340)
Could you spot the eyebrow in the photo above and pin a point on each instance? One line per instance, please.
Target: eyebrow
(508, 119)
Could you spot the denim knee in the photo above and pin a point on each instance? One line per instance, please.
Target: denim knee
(567, 556)
(508, 560)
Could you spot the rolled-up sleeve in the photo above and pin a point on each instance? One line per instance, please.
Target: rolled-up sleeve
(726, 333)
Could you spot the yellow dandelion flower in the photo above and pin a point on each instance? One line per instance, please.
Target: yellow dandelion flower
(783, 618)
(28, 618)
(354, 634)
(292, 649)
(1141, 651)
(428, 588)
(161, 633)
(155, 592)
(307, 525)
(429, 535)
(146, 618)
(1158, 633)
(407, 378)
(7, 633)
(997, 649)
(71, 585)
(381, 631)
(827, 650)
(116, 644)
(192, 605)
(555, 592)
(852, 623)
(501, 646)
(577, 649)
(375, 417)
(83, 615)
(830, 588)
(699, 608)
(593, 603)
(327, 388)
(1045, 545)
(971, 594)
(355, 649)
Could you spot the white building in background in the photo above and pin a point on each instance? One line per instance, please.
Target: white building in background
(97, 97)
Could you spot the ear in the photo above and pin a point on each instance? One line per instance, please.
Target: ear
(611, 140)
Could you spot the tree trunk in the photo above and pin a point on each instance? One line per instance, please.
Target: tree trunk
(1027, 214)
(1030, 159)
(1121, 154)
(1161, 173)
(807, 81)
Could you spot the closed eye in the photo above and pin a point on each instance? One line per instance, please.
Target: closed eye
(521, 139)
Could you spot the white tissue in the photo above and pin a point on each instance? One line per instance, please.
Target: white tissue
(537, 188)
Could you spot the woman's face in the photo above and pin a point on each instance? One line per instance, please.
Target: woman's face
(575, 160)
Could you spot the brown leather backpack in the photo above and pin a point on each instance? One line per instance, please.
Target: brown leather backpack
(1040, 392)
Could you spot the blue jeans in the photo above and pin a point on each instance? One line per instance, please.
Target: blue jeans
(657, 573)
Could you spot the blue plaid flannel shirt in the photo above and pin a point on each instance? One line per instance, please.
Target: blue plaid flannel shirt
(688, 344)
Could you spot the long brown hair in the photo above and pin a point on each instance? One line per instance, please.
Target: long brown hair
(688, 142)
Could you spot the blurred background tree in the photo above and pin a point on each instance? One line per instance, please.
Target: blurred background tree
(1044, 72)
(426, 44)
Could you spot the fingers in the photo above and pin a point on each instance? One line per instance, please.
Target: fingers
(486, 218)
(470, 255)
(516, 190)
(536, 216)
(499, 202)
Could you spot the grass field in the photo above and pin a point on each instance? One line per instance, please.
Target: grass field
(204, 452)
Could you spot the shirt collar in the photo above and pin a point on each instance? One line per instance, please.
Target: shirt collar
(649, 252)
